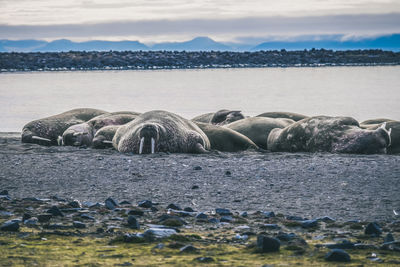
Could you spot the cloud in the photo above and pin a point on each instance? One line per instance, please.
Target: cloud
(226, 29)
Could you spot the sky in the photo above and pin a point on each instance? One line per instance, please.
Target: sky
(178, 20)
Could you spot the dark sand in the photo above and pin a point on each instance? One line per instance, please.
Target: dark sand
(345, 187)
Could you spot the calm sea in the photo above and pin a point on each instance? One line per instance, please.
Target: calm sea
(360, 92)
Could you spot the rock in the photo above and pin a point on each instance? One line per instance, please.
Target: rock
(286, 237)
(373, 229)
(145, 204)
(268, 244)
(133, 222)
(213, 220)
(4, 193)
(201, 216)
(188, 249)
(4, 197)
(31, 222)
(125, 202)
(4, 213)
(90, 205)
(268, 214)
(197, 168)
(155, 233)
(294, 218)
(270, 226)
(309, 223)
(136, 212)
(26, 216)
(204, 259)
(174, 207)
(241, 237)
(153, 209)
(325, 219)
(110, 203)
(75, 204)
(345, 244)
(134, 238)
(223, 212)
(195, 187)
(56, 226)
(228, 173)
(44, 218)
(337, 255)
(388, 238)
(87, 217)
(188, 209)
(55, 211)
(244, 214)
(11, 226)
(227, 219)
(79, 225)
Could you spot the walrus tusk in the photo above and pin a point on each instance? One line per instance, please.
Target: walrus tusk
(383, 126)
(141, 145)
(59, 140)
(390, 138)
(41, 138)
(153, 143)
(107, 142)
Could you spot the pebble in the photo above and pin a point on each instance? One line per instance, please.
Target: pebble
(145, 204)
(11, 226)
(133, 222)
(75, 204)
(309, 223)
(136, 212)
(227, 219)
(195, 187)
(110, 203)
(228, 173)
(201, 216)
(4, 213)
(31, 221)
(55, 211)
(268, 214)
(223, 212)
(79, 225)
(244, 214)
(337, 255)
(241, 237)
(43, 218)
(188, 249)
(268, 244)
(174, 207)
(373, 229)
(197, 168)
(133, 238)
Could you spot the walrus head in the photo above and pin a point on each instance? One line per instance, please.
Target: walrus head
(28, 136)
(224, 116)
(149, 136)
(77, 135)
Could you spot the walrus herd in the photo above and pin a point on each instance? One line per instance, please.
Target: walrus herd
(224, 130)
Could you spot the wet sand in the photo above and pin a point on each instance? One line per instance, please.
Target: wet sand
(311, 185)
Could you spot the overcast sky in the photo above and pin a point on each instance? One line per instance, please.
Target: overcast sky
(177, 20)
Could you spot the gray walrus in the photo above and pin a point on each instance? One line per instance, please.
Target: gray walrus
(394, 128)
(46, 131)
(160, 131)
(329, 134)
(375, 121)
(257, 129)
(225, 139)
(287, 115)
(221, 117)
(82, 134)
(103, 137)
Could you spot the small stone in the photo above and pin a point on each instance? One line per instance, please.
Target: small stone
(373, 229)
(309, 223)
(270, 226)
(294, 218)
(75, 204)
(197, 168)
(145, 204)
(227, 219)
(134, 238)
(268, 214)
(31, 221)
(55, 211)
(325, 219)
(133, 222)
(4, 193)
(285, 237)
(244, 214)
(110, 203)
(195, 187)
(87, 217)
(43, 218)
(241, 237)
(159, 233)
(136, 212)
(188, 209)
(337, 255)
(213, 220)
(201, 216)
(79, 225)
(204, 259)
(223, 212)
(228, 173)
(125, 203)
(11, 226)
(4, 213)
(26, 216)
(388, 238)
(174, 207)
(268, 244)
(188, 249)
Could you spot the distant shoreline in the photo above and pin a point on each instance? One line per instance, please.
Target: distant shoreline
(165, 60)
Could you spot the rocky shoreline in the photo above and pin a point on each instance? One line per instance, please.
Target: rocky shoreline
(148, 60)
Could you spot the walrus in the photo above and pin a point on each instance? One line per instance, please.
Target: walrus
(287, 115)
(394, 147)
(329, 134)
(221, 117)
(160, 131)
(375, 121)
(82, 134)
(46, 131)
(104, 136)
(257, 128)
(225, 139)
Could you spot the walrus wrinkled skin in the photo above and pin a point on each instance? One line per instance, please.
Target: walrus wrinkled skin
(160, 131)
(287, 115)
(103, 137)
(221, 117)
(393, 125)
(257, 129)
(329, 134)
(224, 139)
(82, 134)
(47, 130)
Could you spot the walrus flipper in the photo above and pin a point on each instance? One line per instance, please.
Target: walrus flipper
(199, 148)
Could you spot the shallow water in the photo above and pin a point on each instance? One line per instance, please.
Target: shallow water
(360, 92)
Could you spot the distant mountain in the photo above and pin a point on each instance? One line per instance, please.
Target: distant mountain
(389, 42)
(197, 44)
(67, 45)
(20, 45)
